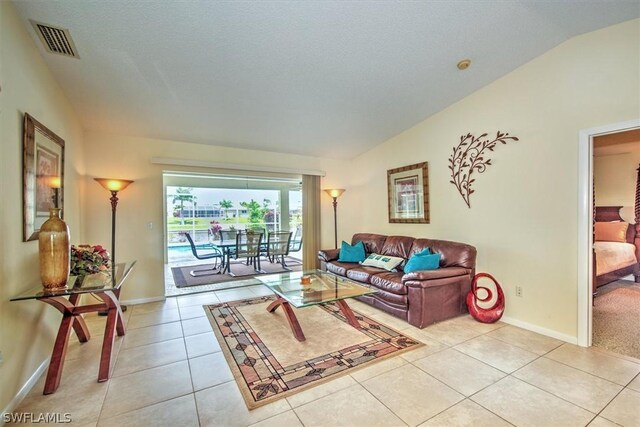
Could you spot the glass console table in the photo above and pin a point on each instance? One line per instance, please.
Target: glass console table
(104, 285)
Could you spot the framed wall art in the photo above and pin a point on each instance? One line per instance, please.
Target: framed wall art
(42, 175)
(408, 193)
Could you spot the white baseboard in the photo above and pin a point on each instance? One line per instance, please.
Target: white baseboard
(540, 330)
(26, 388)
(143, 300)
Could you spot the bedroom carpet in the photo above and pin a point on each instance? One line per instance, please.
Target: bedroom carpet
(616, 316)
(268, 363)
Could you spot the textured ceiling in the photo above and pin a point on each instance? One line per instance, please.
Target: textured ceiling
(322, 78)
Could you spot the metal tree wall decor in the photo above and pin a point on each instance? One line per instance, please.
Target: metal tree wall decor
(469, 157)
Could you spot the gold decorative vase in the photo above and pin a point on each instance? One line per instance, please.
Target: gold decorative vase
(54, 252)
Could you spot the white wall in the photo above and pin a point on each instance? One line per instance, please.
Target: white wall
(523, 216)
(27, 329)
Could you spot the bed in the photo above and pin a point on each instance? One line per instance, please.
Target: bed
(614, 257)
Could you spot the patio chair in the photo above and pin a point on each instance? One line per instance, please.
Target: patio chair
(295, 245)
(227, 235)
(248, 245)
(216, 254)
(278, 247)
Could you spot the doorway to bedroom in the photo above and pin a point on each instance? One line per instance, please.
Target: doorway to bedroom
(213, 220)
(616, 234)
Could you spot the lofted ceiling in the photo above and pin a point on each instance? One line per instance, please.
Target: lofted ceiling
(320, 78)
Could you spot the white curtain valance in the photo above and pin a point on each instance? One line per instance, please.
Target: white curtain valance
(234, 166)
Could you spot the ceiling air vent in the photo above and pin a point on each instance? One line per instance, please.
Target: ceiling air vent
(55, 39)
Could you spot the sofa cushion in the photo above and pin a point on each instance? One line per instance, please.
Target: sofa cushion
(340, 268)
(390, 282)
(399, 246)
(386, 262)
(363, 274)
(422, 261)
(372, 242)
(349, 253)
(454, 254)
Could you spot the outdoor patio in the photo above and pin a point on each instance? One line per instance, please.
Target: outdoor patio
(180, 256)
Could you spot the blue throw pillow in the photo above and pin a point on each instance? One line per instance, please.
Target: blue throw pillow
(422, 261)
(353, 253)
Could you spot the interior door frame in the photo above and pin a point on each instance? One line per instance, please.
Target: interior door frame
(585, 223)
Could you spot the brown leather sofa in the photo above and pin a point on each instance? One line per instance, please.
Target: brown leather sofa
(421, 297)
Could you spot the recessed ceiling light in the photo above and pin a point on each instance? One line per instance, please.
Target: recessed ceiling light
(464, 64)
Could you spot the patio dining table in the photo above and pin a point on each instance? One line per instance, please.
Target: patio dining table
(227, 246)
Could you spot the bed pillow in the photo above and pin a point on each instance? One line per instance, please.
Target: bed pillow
(386, 262)
(611, 232)
(422, 261)
(351, 253)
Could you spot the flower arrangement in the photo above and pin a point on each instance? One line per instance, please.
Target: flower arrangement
(88, 259)
(215, 227)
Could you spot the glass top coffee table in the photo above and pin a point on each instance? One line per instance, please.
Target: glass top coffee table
(324, 287)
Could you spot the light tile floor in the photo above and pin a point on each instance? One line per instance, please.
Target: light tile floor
(169, 371)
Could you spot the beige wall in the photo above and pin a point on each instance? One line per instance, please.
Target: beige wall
(524, 211)
(615, 179)
(112, 156)
(27, 329)
(523, 216)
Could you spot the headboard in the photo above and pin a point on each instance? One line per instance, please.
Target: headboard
(612, 213)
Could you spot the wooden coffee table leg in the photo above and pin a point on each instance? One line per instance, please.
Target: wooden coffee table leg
(348, 314)
(274, 305)
(291, 317)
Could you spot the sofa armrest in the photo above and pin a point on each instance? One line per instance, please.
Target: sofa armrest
(327, 255)
(440, 273)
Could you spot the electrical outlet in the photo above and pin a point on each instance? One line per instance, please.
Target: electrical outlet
(1, 358)
(519, 291)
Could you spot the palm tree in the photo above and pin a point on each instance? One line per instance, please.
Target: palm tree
(226, 205)
(183, 194)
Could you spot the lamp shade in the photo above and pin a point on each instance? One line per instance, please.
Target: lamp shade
(55, 182)
(113, 184)
(335, 193)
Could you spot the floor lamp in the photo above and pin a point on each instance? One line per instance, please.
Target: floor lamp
(55, 183)
(114, 186)
(335, 193)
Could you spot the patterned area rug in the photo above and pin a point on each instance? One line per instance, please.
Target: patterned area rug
(268, 363)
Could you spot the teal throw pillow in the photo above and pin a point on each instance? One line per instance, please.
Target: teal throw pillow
(353, 253)
(422, 261)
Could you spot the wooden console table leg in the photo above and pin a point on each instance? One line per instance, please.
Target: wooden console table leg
(69, 320)
(79, 325)
(57, 355)
(81, 328)
(291, 317)
(113, 315)
(348, 314)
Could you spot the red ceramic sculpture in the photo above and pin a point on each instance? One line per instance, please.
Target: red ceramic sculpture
(485, 315)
